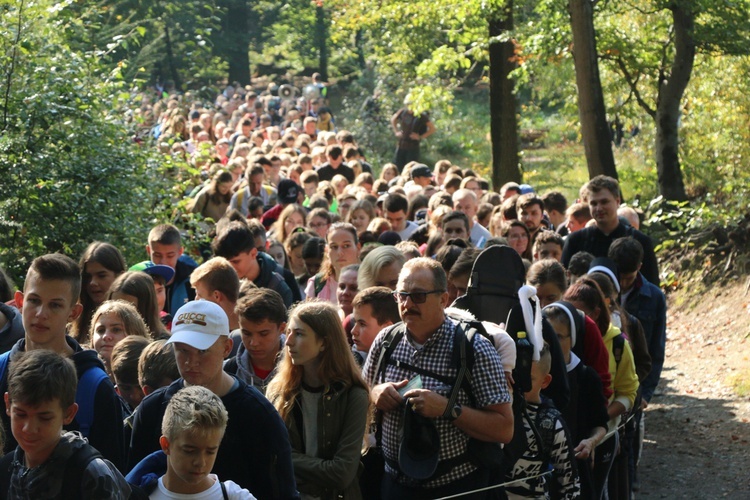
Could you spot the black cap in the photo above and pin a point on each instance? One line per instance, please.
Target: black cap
(419, 451)
(420, 170)
(288, 191)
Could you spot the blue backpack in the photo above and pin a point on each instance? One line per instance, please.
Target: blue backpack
(88, 383)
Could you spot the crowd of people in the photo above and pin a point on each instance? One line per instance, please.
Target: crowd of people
(321, 350)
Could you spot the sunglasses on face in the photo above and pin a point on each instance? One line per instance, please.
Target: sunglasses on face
(416, 297)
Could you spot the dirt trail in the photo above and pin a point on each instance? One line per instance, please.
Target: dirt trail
(697, 426)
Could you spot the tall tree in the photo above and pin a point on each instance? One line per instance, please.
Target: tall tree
(593, 115)
(321, 38)
(503, 102)
(656, 64)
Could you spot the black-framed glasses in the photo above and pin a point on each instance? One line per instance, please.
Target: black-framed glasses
(416, 297)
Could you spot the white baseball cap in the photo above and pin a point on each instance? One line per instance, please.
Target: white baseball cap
(199, 324)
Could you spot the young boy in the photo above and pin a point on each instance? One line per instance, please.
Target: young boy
(374, 309)
(125, 356)
(555, 448)
(165, 247)
(50, 463)
(49, 302)
(216, 280)
(157, 367)
(262, 318)
(548, 245)
(192, 429)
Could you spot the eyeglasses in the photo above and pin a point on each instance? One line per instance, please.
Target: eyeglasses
(416, 297)
(522, 236)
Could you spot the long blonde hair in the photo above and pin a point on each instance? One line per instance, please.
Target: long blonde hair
(337, 363)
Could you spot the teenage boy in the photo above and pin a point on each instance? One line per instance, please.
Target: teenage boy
(555, 451)
(50, 463)
(216, 281)
(165, 247)
(157, 367)
(603, 195)
(49, 302)
(125, 356)
(262, 317)
(194, 424)
(396, 206)
(645, 301)
(335, 165)
(374, 309)
(255, 452)
(548, 245)
(236, 244)
(555, 205)
(455, 225)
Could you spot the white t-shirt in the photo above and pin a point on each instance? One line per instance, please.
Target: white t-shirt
(411, 226)
(234, 492)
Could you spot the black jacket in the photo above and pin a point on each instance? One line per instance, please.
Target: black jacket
(595, 242)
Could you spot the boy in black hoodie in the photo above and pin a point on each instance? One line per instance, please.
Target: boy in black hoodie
(49, 302)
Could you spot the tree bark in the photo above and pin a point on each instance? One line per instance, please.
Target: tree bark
(671, 91)
(503, 102)
(175, 75)
(233, 40)
(321, 35)
(592, 113)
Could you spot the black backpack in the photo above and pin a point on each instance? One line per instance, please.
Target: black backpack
(72, 478)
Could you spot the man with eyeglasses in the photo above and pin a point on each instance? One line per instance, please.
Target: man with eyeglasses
(426, 349)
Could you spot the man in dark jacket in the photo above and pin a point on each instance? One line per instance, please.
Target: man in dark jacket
(603, 197)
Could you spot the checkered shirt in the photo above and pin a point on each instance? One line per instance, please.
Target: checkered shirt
(487, 383)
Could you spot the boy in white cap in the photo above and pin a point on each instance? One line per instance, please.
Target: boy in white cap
(257, 457)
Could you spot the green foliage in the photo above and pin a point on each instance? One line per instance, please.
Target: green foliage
(69, 171)
(156, 41)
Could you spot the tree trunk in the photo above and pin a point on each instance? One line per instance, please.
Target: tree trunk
(170, 59)
(233, 40)
(503, 102)
(592, 113)
(321, 35)
(671, 90)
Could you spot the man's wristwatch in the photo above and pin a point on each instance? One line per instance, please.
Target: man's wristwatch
(454, 412)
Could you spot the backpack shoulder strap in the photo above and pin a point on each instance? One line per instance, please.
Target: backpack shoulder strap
(85, 395)
(463, 359)
(72, 486)
(240, 198)
(224, 491)
(391, 338)
(4, 358)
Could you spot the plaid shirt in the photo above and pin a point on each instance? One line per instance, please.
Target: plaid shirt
(487, 384)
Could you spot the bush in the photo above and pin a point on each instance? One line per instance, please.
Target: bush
(69, 171)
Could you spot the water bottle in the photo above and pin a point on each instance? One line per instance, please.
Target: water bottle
(524, 356)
